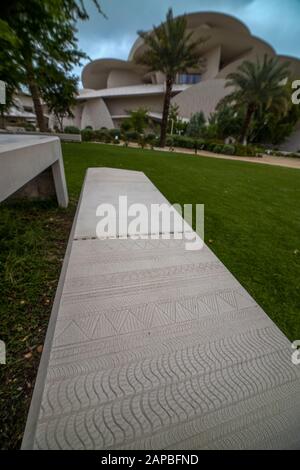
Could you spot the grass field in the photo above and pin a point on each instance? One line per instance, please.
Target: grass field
(252, 223)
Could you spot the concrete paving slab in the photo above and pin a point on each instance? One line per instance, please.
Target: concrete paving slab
(156, 347)
(106, 185)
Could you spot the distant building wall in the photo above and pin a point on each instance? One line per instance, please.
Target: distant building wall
(121, 105)
(160, 78)
(118, 78)
(201, 97)
(212, 63)
(96, 115)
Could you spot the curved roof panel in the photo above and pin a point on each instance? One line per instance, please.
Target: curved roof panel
(208, 20)
(95, 73)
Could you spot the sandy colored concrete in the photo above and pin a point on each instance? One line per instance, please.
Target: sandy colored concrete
(107, 185)
(151, 346)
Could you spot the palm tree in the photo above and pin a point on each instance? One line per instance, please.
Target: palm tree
(258, 87)
(170, 50)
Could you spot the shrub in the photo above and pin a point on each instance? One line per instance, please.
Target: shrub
(241, 150)
(211, 146)
(114, 133)
(71, 130)
(196, 125)
(87, 135)
(29, 127)
(142, 141)
(246, 150)
(101, 136)
(293, 155)
(151, 139)
(218, 148)
(170, 141)
(131, 136)
(126, 125)
(183, 141)
(89, 127)
(228, 149)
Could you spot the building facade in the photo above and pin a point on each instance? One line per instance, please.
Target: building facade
(112, 87)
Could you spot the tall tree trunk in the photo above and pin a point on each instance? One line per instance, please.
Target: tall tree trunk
(167, 100)
(2, 121)
(247, 122)
(35, 94)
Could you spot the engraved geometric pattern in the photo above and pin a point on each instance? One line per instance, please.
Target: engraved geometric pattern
(156, 347)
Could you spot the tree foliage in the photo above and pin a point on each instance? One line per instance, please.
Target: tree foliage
(196, 126)
(175, 124)
(138, 120)
(258, 88)
(170, 49)
(41, 44)
(273, 128)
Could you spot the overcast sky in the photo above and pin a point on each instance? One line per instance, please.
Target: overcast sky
(276, 21)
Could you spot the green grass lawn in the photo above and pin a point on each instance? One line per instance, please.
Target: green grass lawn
(252, 223)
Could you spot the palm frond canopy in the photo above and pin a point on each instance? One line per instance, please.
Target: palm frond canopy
(260, 84)
(171, 48)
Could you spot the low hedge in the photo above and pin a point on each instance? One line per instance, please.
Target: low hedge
(132, 136)
(87, 135)
(216, 146)
(71, 130)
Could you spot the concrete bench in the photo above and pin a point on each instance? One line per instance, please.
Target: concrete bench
(32, 166)
(151, 346)
(62, 135)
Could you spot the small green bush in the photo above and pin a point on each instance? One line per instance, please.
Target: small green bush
(218, 148)
(87, 135)
(126, 125)
(29, 127)
(142, 141)
(241, 150)
(169, 141)
(101, 136)
(228, 149)
(132, 136)
(115, 133)
(151, 138)
(183, 141)
(71, 130)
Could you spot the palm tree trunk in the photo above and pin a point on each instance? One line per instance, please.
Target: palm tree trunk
(35, 94)
(247, 122)
(167, 100)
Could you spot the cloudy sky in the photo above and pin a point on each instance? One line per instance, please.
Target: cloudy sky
(276, 21)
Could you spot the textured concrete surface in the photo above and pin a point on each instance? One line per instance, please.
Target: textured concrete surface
(106, 185)
(154, 347)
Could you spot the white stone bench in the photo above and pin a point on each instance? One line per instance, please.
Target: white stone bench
(150, 346)
(32, 166)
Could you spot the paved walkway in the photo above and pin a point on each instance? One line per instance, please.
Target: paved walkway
(151, 346)
(267, 160)
(287, 162)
